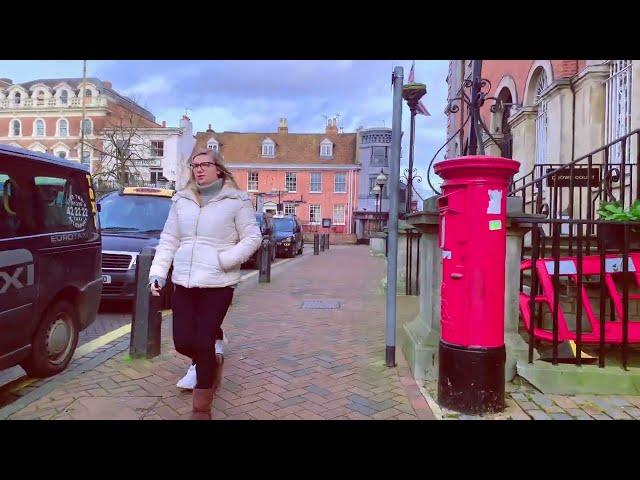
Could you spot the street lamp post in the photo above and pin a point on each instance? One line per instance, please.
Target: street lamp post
(412, 93)
(275, 191)
(375, 191)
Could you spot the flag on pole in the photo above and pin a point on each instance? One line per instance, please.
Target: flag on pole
(420, 109)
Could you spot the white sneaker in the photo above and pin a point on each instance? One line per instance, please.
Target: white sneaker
(188, 382)
(219, 347)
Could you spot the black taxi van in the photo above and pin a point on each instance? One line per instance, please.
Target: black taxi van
(50, 253)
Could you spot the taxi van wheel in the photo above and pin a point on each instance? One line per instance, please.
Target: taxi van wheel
(55, 341)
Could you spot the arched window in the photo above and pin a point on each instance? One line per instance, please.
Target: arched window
(87, 126)
(541, 83)
(40, 98)
(63, 128)
(39, 128)
(17, 98)
(213, 144)
(64, 97)
(15, 128)
(268, 148)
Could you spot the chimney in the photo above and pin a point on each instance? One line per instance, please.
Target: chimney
(332, 126)
(283, 128)
(210, 130)
(164, 124)
(107, 84)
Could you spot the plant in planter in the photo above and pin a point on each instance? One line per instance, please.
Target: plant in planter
(613, 235)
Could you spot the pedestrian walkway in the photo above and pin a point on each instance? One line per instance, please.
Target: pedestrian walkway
(290, 355)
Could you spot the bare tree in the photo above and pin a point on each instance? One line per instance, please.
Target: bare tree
(121, 149)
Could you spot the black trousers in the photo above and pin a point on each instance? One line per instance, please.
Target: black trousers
(197, 319)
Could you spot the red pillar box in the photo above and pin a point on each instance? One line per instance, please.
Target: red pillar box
(473, 243)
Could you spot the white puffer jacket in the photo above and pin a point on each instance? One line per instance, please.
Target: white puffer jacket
(207, 244)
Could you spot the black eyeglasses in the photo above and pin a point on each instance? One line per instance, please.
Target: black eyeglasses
(204, 165)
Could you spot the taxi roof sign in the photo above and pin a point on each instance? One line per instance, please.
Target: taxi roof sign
(160, 192)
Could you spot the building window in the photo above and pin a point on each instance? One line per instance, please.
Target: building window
(64, 97)
(291, 182)
(315, 185)
(157, 148)
(326, 148)
(314, 214)
(338, 214)
(212, 144)
(39, 128)
(63, 128)
(541, 119)
(15, 128)
(379, 157)
(268, 148)
(157, 177)
(252, 182)
(618, 110)
(62, 154)
(86, 157)
(40, 98)
(17, 98)
(340, 183)
(289, 208)
(87, 126)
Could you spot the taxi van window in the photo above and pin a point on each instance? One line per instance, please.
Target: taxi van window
(61, 202)
(16, 219)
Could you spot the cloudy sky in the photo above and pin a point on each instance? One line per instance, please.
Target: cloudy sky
(252, 95)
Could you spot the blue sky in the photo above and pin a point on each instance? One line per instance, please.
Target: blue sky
(253, 95)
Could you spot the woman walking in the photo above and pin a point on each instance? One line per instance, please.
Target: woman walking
(210, 231)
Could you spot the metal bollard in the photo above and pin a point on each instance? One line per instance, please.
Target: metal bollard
(327, 242)
(146, 318)
(316, 244)
(322, 242)
(265, 262)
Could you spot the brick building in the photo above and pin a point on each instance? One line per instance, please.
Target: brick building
(311, 175)
(554, 110)
(45, 115)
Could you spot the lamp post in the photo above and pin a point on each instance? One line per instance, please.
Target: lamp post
(275, 191)
(412, 93)
(381, 181)
(376, 190)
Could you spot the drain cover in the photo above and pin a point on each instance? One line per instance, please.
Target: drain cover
(321, 304)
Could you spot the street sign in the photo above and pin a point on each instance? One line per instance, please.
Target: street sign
(326, 223)
(580, 177)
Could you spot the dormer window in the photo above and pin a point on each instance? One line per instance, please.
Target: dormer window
(326, 148)
(268, 148)
(64, 97)
(213, 144)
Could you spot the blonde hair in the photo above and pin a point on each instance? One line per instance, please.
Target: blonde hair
(226, 175)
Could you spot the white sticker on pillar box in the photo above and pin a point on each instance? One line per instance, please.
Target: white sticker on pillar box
(495, 202)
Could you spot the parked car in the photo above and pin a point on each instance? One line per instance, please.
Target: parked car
(289, 240)
(50, 280)
(265, 221)
(131, 219)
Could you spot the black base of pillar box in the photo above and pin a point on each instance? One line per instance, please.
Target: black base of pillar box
(471, 380)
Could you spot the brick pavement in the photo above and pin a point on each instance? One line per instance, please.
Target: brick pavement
(282, 361)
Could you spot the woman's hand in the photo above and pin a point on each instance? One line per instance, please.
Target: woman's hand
(154, 288)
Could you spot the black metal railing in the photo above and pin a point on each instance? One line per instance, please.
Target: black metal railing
(412, 262)
(574, 190)
(585, 292)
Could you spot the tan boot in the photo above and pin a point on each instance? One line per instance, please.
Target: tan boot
(202, 402)
(218, 378)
